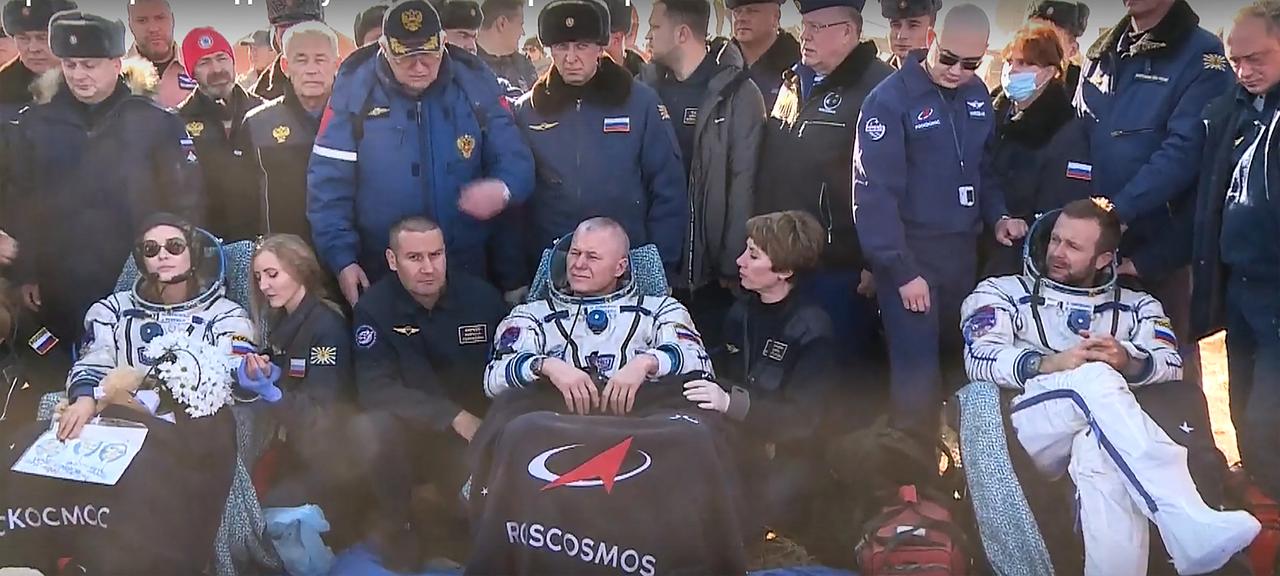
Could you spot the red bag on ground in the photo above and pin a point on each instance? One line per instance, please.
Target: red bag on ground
(912, 536)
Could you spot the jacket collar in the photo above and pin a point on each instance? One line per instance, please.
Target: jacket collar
(1036, 125)
(781, 55)
(610, 87)
(15, 82)
(177, 59)
(388, 79)
(848, 73)
(201, 105)
(405, 308)
(294, 106)
(283, 334)
(1176, 26)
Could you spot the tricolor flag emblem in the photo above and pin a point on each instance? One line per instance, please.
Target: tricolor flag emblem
(620, 125)
(43, 341)
(241, 346)
(297, 367)
(1165, 335)
(1080, 171)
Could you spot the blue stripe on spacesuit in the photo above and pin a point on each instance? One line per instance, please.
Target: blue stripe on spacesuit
(677, 361)
(1102, 437)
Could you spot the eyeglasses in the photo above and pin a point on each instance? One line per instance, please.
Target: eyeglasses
(807, 27)
(948, 58)
(174, 246)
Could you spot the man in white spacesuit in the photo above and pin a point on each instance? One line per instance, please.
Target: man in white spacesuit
(1073, 343)
(595, 327)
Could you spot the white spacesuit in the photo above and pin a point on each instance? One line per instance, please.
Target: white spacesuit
(1087, 422)
(599, 334)
(119, 326)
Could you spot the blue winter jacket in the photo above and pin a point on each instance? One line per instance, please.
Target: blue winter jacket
(382, 155)
(1143, 111)
(604, 149)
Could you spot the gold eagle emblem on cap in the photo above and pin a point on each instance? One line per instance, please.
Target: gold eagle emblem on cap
(195, 129)
(280, 133)
(568, 22)
(412, 20)
(466, 146)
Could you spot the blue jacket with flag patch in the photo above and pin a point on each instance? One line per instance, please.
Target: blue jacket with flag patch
(382, 155)
(604, 149)
(1142, 99)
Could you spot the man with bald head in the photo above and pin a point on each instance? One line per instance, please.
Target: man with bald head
(151, 22)
(919, 201)
(595, 336)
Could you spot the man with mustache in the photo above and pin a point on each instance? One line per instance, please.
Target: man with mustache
(213, 115)
(151, 22)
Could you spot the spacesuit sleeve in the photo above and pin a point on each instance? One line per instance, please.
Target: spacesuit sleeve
(98, 356)
(1154, 342)
(234, 328)
(991, 353)
(520, 341)
(677, 344)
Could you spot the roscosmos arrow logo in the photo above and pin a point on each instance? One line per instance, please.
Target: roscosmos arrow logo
(603, 469)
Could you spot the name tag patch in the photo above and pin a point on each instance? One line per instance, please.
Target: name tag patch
(690, 116)
(473, 334)
(977, 108)
(775, 350)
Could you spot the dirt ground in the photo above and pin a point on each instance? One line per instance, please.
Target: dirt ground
(1213, 362)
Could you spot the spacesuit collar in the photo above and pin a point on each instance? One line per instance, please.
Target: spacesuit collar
(1033, 262)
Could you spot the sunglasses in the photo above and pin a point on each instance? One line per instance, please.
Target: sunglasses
(174, 246)
(949, 59)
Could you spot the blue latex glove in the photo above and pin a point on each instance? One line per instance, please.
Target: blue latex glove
(265, 387)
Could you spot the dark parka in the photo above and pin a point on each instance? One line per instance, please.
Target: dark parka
(606, 148)
(277, 138)
(15, 94)
(1143, 110)
(85, 177)
(726, 150)
(808, 149)
(230, 180)
(1041, 158)
(1209, 275)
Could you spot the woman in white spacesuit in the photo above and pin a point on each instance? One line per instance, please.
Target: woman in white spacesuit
(180, 289)
(162, 515)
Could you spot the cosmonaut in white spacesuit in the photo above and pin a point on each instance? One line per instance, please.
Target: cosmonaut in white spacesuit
(180, 289)
(1073, 342)
(596, 324)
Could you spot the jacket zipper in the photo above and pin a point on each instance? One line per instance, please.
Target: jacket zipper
(807, 123)
(1118, 133)
(424, 145)
(826, 210)
(266, 192)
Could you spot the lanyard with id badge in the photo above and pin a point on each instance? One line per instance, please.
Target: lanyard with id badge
(968, 195)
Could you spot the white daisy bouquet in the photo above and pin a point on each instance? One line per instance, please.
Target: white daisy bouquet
(196, 373)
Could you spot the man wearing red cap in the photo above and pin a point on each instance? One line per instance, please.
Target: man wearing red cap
(213, 115)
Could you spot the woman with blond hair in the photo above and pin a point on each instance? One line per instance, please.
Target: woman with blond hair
(304, 371)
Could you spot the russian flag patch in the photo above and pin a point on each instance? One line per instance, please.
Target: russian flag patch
(43, 341)
(297, 367)
(1080, 171)
(619, 125)
(241, 346)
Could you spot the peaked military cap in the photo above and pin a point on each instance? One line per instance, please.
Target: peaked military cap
(899, 9)
(412, 27)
